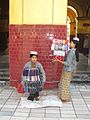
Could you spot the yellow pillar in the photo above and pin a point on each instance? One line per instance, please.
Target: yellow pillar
(38, 12)
(15, 12)
(28, 15)
(60, 12)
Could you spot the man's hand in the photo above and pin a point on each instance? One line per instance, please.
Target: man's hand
(57, 60)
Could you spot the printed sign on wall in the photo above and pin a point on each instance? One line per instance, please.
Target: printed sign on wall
(59, 47)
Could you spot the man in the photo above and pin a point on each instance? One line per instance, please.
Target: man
(33, 76)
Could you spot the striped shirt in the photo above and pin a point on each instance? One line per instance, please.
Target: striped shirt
(40, 67)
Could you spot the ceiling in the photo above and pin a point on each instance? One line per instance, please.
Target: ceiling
(82, 7)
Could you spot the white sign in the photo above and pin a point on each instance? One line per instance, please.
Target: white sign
(59, 53)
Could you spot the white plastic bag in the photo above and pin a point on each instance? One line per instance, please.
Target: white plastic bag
(45, 101)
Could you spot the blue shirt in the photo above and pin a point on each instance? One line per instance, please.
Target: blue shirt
(70, 62)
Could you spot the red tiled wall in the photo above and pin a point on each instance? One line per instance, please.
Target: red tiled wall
(23, 39)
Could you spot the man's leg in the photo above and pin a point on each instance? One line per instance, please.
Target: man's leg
(31, 97)
(36, 95)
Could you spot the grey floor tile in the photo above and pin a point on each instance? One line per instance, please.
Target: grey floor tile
(50, 119)
(23, 110)
(1, 105)
(82, 112)
(79, 109)
(53, 108)
(7, 109)
(34, 118)
(18, 118)
(2, 101)
(37, 110)
(12, 100)
(80, 106)
(21, 114)
(5, 117)
(10, 106)
(68, 115)
(79, 102)
(67, 105)
(52, 115)
(84, 116)
(87, 99)
(41, 115)
(88, 106)
(68, 112)
(81, 119)
(78, 99)
(67, 109)
(6, 113)
(11, 103)
(66, 119)
(52, 111)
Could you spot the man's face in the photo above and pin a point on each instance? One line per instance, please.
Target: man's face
(34, 59)
(72, 45)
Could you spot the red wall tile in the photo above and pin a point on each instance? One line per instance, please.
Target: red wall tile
(23, 39)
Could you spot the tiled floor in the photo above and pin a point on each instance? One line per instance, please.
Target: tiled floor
(77, 109)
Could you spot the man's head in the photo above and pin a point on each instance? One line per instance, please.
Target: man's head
(33, 56)
(74, 42)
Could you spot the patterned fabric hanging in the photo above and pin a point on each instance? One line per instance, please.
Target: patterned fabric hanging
(32, 82)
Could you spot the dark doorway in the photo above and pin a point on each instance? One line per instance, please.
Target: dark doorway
(4, 40)
(4, 26)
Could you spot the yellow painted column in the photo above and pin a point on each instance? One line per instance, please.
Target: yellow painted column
(38, 11)
(15, 12)
(45, 12)
(60, 12)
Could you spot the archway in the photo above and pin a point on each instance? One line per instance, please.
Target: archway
(88, 11)
(72, 15)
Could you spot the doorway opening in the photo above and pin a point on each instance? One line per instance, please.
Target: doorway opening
(4, 25)
(4, 40)
(72, 20)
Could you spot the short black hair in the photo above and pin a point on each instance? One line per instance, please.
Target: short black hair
(31, 55)
(76, 43)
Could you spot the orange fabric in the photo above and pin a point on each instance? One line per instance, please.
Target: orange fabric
(20, 88)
